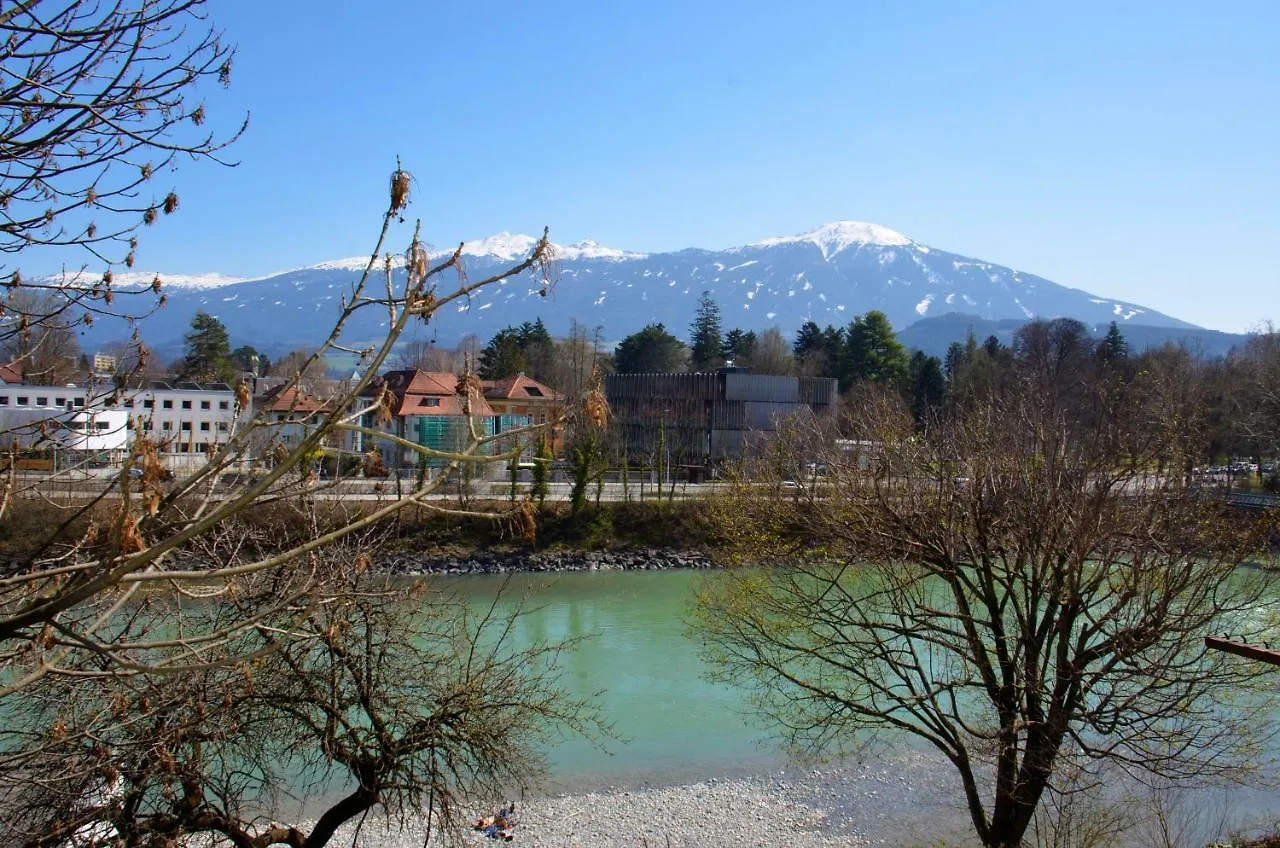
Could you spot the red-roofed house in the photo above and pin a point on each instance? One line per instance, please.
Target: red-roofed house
(429, 411)
(521, 401)
(290, 412)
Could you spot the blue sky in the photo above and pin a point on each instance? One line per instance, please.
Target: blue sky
(1129, 149)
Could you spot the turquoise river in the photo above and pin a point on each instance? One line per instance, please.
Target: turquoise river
(670, 723)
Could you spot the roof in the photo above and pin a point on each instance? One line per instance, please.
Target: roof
(520, 387)
(434, 404)
(430, 393)
(11, 373)
(289, 399)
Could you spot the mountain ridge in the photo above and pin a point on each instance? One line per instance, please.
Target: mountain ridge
(827, 275)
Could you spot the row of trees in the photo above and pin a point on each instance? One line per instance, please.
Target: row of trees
(1235, 396)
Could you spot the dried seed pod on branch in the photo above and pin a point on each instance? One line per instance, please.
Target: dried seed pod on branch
(98, 99)
(192, 591)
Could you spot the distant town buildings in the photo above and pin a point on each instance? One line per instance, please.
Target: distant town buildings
(696, 419)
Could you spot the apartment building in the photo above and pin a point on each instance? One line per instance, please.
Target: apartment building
(187, 420)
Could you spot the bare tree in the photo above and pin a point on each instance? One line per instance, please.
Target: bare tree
(772, 354)
(98, 100)
(130, 636)
(1014, 586)
(1255, 394)
(426, 355)
(298, 363)
(37, 336)
(410, 706)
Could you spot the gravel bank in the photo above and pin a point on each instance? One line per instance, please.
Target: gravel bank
(899, 804)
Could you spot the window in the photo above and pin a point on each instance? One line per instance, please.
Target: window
(533, 391)
(202, 447)
(23, 400)
(148, 404)
(79, 401)
(186, 404)
(148, 426)
(4, 400)
(166, 425)
(168, 404)
(222, 404)
(184, 448)
(101, 425)
(42, 401)
(128, 404)
(204, 425)
(429, 401)
(204, 404)
(186, 426)
(222, 426)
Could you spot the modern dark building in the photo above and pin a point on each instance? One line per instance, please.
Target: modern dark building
(704, 418)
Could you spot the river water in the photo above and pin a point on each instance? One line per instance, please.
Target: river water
(675, 726)
(671, 724)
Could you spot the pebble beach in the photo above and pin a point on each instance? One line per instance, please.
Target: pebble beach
(902, 804)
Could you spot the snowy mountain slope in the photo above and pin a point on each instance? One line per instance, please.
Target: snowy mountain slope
(827, 275)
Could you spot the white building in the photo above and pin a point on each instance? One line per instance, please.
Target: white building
(187, 420)
(85, 434)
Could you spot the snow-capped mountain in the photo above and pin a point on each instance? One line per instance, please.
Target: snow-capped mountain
(828, 275)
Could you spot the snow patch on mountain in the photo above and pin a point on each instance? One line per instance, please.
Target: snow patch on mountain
(143, 279)
(511, 247)
(832, 238)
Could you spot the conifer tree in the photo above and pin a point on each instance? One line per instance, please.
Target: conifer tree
(208, 350)
(650, 350)
(502, 357)
(706, 346)
(873, 353)
(739, 347)
(1113, 349)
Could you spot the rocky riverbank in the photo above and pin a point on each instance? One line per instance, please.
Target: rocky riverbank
(409, 563)
(902, 803)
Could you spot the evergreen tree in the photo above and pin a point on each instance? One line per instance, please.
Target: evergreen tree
(817, 351)
(993, 347)
(740, 347)
(526, 349)
(538, 349)
(705, 343)
(502, 357)
(541, 470)
(248, 358)
(928, 385)
(650, 350)
(955, 360)
(208, 351)
(808, 339)
(1113, 350)
(873, 353)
